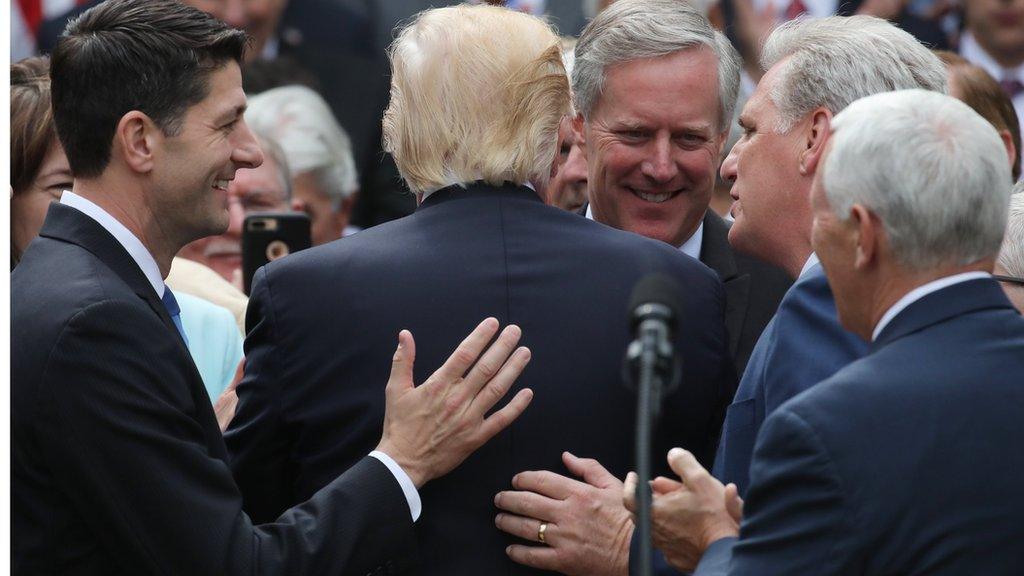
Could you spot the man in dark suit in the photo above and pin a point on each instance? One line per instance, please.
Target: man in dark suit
(118, 462)
(652, 157)
(772, 167)
(308, 406)
(907, 460)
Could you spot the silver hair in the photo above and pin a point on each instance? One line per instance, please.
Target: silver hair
(836, 60)
(932, 169)
(1011, 255)
(272, 148)
(634, 29)
(310, 136)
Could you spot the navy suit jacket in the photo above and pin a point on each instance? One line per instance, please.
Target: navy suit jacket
(323, 325)
(907, 461)
(118, 465)
(803, 345)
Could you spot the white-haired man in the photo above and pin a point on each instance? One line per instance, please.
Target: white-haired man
(319, 154)
(1009, 267)
(905, 461)
(477, 96)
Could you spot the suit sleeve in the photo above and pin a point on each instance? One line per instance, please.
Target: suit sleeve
(121, 431)
(796, 518)
(258, 437)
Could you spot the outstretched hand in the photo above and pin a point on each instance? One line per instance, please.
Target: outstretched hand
(431, 428)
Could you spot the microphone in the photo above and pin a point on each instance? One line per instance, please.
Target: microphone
(652, 370)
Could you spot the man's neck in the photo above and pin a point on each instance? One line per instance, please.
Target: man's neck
(897, 282)
(793, 260)
(130, 209)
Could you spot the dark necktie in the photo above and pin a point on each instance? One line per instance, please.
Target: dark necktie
(171, 303)
(1012, 86)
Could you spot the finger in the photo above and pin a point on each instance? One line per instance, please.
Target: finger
(401, 364)
(733, 502)
(523, 527)
(546, 483)
(686, 466)
(467, 352)
(496, 389)
(239, 372)
(629, 492)
(527, 504)
(662, 485)
(543, 557)
(590, 470)
(493, 359)
(502, 418)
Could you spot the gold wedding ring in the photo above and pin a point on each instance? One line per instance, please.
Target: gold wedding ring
(541, 531)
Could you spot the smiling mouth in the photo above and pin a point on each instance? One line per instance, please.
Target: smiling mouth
(654, 197)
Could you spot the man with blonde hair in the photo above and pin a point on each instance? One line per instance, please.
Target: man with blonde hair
(477, 96)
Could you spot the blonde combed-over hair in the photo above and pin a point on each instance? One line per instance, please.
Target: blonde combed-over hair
(477, 93)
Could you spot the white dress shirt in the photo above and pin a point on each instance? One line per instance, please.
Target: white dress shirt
(692, 245)
(920, 292)
(149, 267)
(811, 261)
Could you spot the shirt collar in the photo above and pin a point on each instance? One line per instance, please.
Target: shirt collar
(974, 53)
(811, 261)
(692, 245)
(129, 241)
(920, 292)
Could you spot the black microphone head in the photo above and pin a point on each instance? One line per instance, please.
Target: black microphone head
(655, 295)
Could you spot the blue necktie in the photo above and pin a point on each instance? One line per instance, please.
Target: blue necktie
(171, 303)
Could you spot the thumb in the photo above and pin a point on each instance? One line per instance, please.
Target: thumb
(401, 364)
(733, 502)
(590, 470)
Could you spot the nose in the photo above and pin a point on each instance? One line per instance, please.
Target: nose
(576, 165)
(728, 170)
(660, 166)
(246, 153)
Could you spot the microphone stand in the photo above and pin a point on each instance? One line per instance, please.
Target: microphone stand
(650, 361)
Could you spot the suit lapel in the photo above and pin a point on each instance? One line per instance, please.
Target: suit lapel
(716, 254)
(950, 302)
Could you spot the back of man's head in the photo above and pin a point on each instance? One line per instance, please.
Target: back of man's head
(153, 56)
(477, 93)
(1011, 255)
(833, 61)
(932, 169)
(636, 29)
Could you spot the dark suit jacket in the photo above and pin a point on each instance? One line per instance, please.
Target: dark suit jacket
(907, 461)
(803, 345)
(118, 465)
(753, 288)
(323, 326)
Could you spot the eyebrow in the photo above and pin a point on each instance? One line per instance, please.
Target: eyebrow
(235, 112)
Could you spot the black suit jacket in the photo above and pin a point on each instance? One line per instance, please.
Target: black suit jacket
(753, 288)
(118, 465)
(323, 326)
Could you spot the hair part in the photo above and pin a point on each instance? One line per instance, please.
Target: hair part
(154, 56)
(638, 29)
(932, 169)
(477, 93)
(831, 62)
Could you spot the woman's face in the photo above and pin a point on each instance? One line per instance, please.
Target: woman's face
(29, 206)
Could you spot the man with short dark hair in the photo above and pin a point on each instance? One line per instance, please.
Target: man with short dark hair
(118, 463)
